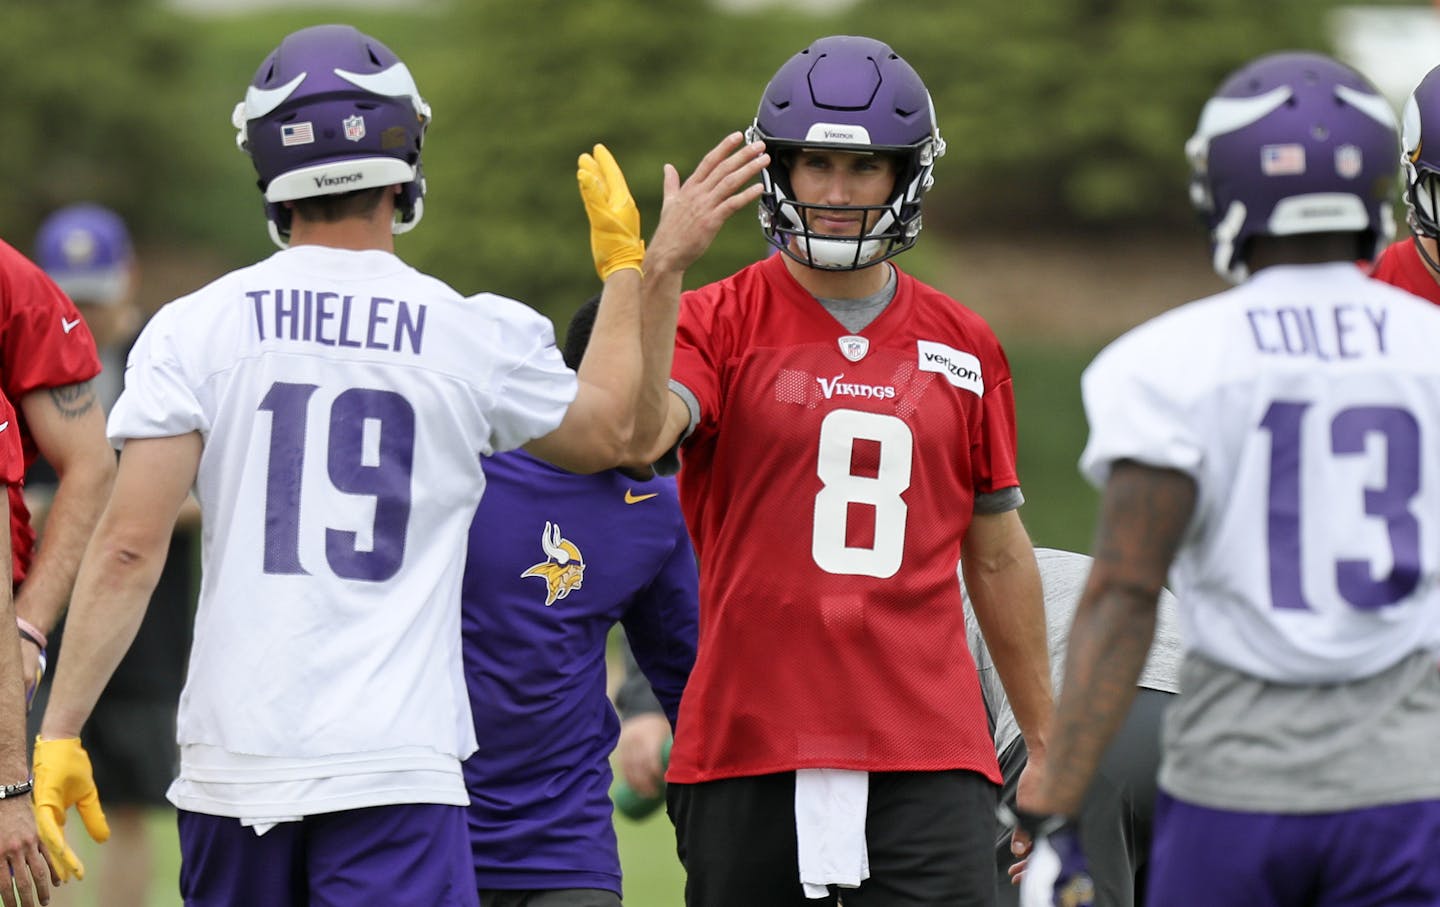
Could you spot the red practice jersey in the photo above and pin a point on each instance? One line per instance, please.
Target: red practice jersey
(1400, 265)
(43, 343)
(12, 463)
(827, 487)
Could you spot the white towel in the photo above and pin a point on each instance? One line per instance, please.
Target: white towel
(830, 806)
(261, 826)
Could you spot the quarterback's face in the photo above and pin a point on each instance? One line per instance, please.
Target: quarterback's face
(841, 178)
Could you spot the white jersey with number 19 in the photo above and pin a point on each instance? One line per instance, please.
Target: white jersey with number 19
(1305, 404)
(344, 400)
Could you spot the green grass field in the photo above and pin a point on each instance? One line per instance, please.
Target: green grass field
(653, 877)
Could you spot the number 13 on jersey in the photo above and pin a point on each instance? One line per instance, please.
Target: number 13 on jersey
(1388, 503)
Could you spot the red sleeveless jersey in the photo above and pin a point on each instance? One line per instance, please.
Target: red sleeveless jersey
(1400, 266)
(827, 487)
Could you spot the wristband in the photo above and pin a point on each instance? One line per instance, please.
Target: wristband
(1033, 824)
(16, 790)
(29, 631)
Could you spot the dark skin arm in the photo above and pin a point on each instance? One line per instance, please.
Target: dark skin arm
(1143, 517)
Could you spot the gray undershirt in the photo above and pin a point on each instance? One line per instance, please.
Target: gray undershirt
(1236, 742)
(857, 314)
(1062, 576)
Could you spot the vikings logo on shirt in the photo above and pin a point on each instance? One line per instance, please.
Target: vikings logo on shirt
(564, 568)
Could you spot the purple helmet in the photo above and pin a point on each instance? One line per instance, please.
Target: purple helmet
(86, 250)
(1421, 164)
(848, 94)
(1293, 143)
(332, 110)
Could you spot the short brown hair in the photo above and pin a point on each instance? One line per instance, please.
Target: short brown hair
(329, 209)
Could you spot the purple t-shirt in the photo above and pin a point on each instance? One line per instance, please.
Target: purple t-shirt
(555, 560)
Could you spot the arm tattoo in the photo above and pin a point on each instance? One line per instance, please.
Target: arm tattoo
(1144, 515)
(74, 400)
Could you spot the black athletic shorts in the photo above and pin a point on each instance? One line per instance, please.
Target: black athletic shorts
(929, 837)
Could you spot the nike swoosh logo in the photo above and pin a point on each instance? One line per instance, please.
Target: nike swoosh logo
(633, 498)
(4, 425)
(69, 325)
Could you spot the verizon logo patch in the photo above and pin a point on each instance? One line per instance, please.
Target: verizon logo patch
(959, 368)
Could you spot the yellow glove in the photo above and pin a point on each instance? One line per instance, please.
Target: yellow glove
(63, 778)
(614, 220)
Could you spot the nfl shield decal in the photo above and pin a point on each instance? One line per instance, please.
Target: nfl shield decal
(854, 348)
(354, 127)
(1349, 161)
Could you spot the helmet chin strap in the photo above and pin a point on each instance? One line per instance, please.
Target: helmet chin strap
(1425, 256)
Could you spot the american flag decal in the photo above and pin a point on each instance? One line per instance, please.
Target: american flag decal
(297, 134)
(1282, 160)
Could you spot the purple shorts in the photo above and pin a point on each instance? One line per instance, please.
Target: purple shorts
(411, 854)
(1381, 855)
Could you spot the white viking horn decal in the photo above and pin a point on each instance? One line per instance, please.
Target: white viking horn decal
(550, 540)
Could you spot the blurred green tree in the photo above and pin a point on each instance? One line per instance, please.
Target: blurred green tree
(1059, 116)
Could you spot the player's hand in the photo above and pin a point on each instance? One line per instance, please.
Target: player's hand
(63, 778)
(1054, 874)
(615, 240)
(1027, 792)
(32, 872)
(695, 210)
(640, 751)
